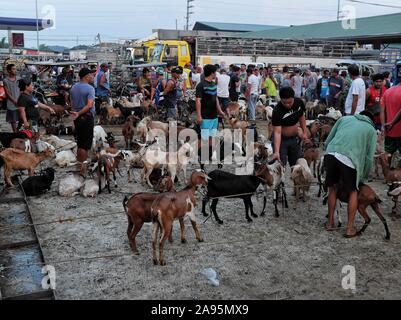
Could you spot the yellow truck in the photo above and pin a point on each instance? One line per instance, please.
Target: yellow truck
(165, 51)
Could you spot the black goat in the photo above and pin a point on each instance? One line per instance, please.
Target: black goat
(37, 185)
(228, 185)
(7, 137)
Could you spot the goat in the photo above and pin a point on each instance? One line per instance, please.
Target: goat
(302, 177)
(35, 186)
(174, 161)
(366, 197)
(7, 137)
(142, 128)
(228, 185)
(311, 155)
(107, 164)
(238, 124)
(60, 144)
(70, 186)
(21, 144)
(90, 189)
(99, 139)
(65, 158)
(15, 159)
(175, 205)
(128, 130)
(379, 151)
(394, 191)
(111, 114)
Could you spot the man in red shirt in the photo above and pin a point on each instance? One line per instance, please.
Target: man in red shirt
(390, 115)
(374, 95)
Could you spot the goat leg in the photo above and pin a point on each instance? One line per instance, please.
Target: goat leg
(251, 208)
(378, 212)
(204, 202)
(264, 206)
(248, 218)
(182, 227)
(155, 236)
(166, 227)
(213, 208)
(364, 214)
(275, 202)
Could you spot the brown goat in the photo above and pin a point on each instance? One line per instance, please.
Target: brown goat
(366, 197)
(15, 159)
(312, 155)
(128, 130)
(171, 206)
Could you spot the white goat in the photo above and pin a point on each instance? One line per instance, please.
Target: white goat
(70, 185)
(60, 144)
(66, 158)
(302, 177)
(99, 139)
(90, 189)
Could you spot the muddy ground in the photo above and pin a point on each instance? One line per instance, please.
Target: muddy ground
(290, 257)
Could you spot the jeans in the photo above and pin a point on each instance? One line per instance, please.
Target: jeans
(310, 94)
(253, 99)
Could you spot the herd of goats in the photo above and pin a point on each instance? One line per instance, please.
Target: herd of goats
(145, 135)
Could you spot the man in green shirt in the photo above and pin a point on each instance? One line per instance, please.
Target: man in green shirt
(349, 148)
(271, 85)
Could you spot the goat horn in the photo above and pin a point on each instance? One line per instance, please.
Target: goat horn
(207, 177)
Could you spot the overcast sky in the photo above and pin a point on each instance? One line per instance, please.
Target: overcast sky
(78, 21)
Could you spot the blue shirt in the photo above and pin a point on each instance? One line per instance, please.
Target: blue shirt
(80, 94)
(102, 91)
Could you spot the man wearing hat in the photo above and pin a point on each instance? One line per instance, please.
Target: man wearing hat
(82, 103)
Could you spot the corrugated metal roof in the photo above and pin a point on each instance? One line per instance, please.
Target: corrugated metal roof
(365, 27)
(237, 27)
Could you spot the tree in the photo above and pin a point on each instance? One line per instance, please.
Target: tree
(44, 47)
(3, 43)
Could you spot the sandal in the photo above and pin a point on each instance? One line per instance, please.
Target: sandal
(347, 236)
(329, 228)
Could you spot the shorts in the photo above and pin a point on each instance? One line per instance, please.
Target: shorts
(12, 116)
(290, 150)
(224, 103)
(209, 128)
(337, 171)
(84, 131)
(391, 145)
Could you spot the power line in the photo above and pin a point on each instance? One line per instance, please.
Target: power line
(376, 4)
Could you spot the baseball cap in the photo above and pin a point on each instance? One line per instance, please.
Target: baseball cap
(104, 65)
(84, 72)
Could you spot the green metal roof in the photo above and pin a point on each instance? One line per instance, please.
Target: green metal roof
(235, 27)
(385, 25)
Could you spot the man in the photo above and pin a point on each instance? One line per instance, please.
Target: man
(82, 103)
(102, 83)
(355, 102)
(387, 79)
(170, 94)
(390, 115)
(286, 115)
(235, 84)
(350, 148)
(187, 75)
(310, 83)
(286, 79)
(335, 90)
(167, 73)
(243, 77)
(196, 76)
(271, 85)
(322, 88)
(374, 95)
(108, 73)
(12, 91)
(159, 86)
(207, 107)
(366, 78)
(252, 93)
(223, 94)
(318, 75)
(297, 82)
(64, 83)
(145, 84)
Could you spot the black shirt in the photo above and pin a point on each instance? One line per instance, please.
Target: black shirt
(233, 82)
(288, 117)
(30, 104)
(207, 92)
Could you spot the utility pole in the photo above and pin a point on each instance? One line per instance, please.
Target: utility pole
(189, 12)
(338, 10)
(37, 26)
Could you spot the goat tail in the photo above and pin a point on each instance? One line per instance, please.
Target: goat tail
(125, 201)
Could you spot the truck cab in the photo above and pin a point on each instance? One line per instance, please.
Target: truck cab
(168, 51)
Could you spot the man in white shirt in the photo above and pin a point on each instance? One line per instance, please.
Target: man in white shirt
(223, 83)
(252, 93)
(356, 98)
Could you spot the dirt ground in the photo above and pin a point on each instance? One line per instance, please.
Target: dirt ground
(290, 257)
